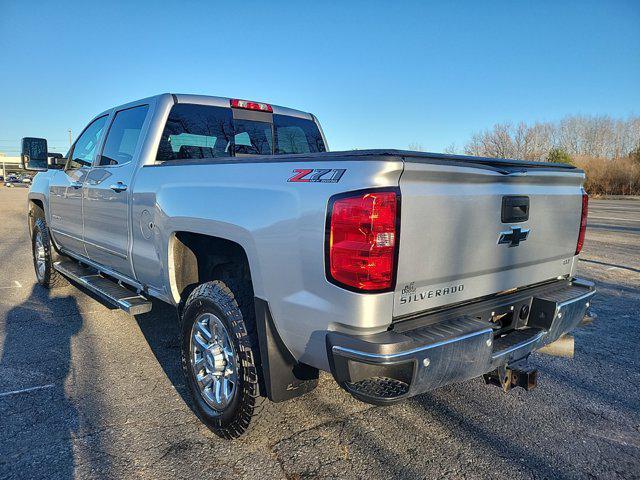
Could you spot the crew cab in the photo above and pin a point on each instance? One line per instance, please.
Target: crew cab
(398, 272)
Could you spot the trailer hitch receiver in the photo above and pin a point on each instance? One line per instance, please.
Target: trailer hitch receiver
(509, 376)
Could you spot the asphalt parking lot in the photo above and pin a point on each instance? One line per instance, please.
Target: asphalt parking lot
(89, 392)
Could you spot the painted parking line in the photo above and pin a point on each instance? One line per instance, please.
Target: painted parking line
(26, 390)
(16, 284)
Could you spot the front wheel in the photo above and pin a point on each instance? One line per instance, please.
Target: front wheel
(43, 255)
(218, 360)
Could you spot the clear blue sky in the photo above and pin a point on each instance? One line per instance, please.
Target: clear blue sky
(377, 74)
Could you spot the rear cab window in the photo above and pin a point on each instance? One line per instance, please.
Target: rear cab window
(296, 135)
(252, 137)
(202, 131)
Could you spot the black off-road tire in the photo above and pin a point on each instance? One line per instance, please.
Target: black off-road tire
(50, 277)
(217, 297)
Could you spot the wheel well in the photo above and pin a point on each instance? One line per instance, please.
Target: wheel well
(196, 258)
(36, 210)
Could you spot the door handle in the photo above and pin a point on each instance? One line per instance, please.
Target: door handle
(118, 187)
(515, 209)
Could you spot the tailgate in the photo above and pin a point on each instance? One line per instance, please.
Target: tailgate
(452, 222)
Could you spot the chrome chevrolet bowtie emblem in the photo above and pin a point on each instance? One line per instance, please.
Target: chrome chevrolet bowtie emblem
(513, 237)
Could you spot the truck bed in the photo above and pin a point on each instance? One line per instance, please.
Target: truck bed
(503, 165)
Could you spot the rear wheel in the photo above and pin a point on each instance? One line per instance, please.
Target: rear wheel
(43, 256)
(219, 361)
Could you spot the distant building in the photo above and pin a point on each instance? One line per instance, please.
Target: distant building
(9, 164)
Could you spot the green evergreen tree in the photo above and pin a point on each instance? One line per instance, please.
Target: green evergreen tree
(558, 155)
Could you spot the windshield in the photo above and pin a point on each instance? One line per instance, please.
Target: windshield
(201, 131)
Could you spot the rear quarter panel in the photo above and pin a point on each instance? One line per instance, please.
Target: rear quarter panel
(280, 225)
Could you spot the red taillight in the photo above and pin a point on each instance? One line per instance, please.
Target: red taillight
(583, 222)
(362, 240)
(247, 105)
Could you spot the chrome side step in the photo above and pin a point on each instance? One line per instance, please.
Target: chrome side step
(105, 288)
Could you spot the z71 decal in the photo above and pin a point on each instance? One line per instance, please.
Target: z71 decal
(322, 175)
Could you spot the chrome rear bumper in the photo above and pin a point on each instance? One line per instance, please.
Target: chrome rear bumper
(390, 366)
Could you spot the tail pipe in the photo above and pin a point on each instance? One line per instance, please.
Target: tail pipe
(563, 347)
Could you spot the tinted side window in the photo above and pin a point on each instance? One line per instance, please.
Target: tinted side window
(123, 136)
(196, 131)
(297, 135)
(85, 147)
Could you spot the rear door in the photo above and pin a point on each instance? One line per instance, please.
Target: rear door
(471, 231)
(107, 225)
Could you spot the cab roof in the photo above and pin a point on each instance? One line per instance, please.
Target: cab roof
(209, 100)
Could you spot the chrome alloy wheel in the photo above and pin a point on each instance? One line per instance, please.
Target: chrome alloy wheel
(39, 255)
(213, 361)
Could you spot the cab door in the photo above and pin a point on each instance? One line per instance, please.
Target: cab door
(107, 225)
(67, 188)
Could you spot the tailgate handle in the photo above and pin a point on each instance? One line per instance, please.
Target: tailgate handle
(515, 209)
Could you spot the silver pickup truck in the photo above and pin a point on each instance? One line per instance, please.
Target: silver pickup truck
(396, 271)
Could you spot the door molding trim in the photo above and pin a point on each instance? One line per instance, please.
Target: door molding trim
(108, 250)
(58, 232)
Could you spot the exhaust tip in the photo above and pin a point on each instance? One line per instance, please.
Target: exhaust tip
(563, 347)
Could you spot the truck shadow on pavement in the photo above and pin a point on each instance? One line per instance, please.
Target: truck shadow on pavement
(161, 330)
(38, 420)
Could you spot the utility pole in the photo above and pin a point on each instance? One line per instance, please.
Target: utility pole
(70, 138)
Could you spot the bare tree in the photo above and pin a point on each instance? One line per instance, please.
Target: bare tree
(578, 135)
(451, 149)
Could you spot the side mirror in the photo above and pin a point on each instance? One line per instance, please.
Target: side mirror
(34, 154)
